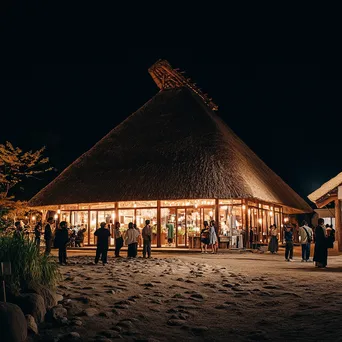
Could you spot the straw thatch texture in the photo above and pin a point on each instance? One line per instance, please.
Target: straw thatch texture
(174, 147)
(325, 188)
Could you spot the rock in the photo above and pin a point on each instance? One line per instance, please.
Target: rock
(57, 313)
(77, 322)
(222, 306)
(199, 330)
(90, 312)
(64, 320)
(32, 304)
(70, 337)
(197, 295)
(51, 298)
(74, 308)
(105, 314)
(31, 324)
(175, 322)
(13, 325)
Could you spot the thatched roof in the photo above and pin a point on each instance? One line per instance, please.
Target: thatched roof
(326, 188)
(173, 147)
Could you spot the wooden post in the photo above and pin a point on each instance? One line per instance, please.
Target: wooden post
(338, 222)
(246, 224)
(116, 210)
(158, 225)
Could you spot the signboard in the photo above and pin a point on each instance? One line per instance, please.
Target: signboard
(339, 192)
(6, 268)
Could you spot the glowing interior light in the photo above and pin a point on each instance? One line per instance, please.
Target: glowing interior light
(271, 213)
(210, 213)
(243, 207)
(58, 211)
(260, 220)
(56, 216)
(33, 218)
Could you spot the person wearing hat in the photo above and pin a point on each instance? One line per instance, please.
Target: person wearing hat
(288, 243)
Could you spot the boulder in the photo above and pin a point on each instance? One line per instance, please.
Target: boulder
(51, 299)
(13, 324)
(31, 324)
(32, 304)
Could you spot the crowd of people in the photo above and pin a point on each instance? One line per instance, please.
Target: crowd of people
(61, 236)
(323, 236)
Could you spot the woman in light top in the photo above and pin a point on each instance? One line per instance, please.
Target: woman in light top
(131, 238)
(213, 237)
(273, 245)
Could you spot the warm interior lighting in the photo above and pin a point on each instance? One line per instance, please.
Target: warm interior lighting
(58, 211)
(243, 207)
(260, 220)
(134, 205)
(33, 218)
(210, 213)
(56, 216)
(196, 205)
(249, 211)
(271, 213)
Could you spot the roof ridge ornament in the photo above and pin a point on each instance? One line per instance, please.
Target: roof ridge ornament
(168, 78)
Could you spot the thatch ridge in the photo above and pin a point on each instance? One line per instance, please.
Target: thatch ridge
(173, 147)
(326, 187)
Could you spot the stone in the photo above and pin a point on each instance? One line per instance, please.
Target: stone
(13, 325)
(199, 330)
(77, 322)
(70, 337)
(31, 324)
(90, 312)
(175, 322)
(64, 320)
(51, 299)
(57, 313)
(32, 304)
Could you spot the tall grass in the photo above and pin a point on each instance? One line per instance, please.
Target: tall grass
(27, 264)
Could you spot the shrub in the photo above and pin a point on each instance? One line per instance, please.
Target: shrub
(27, 264)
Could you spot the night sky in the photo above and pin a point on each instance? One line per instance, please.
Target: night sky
(285, 113)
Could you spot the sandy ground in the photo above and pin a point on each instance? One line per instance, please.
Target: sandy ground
(200, 297)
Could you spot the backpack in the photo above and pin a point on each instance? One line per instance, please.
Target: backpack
(308, 235)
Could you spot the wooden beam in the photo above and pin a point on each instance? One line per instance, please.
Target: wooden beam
(338, 232)
(158, 224)
(326, 201)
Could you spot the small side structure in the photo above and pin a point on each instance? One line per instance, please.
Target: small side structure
(331, 193)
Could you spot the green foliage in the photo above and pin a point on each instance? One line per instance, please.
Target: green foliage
(28, 265)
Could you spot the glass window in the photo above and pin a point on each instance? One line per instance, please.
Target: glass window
(125, 217)
(187, 203)
(181, 227)
(193, 221)
(230, 201)
(137, 204)
(65, 216)
(93, 226)
(79, 220)
(168, 227)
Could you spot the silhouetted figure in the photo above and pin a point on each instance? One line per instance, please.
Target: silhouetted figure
(118, 239)
(103, 235)
(38, 233)
(48, 236)
(321, 245)
(61, 240)
(147, 239)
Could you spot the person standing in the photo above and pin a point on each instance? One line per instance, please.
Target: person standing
(48, 235)
(213, 237)
(37, 233)
(103, 236)
(18, 233)
(205, 237)
(147, 238)
(321, 245)
(273, 245)
(306, 234)
(170, 232)
(131, 238)
(61, 240)
(288, 243)
(118, 239)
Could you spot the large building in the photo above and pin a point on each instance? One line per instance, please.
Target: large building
(175, 162)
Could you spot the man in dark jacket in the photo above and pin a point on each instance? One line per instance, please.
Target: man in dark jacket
(288, 243)
(61, 240)
(103, 235)
(48, 236)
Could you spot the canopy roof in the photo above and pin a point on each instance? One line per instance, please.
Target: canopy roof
(173, 147)
(327, 187)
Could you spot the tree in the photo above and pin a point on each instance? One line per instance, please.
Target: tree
(16, 166)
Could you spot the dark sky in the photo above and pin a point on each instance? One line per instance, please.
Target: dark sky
(286, 113)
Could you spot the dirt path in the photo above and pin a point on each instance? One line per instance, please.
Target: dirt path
(200, 297)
